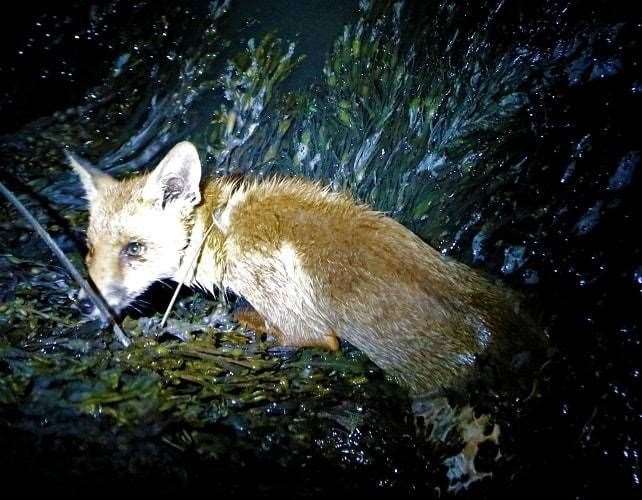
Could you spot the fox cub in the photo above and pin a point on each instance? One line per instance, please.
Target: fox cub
(313, 263)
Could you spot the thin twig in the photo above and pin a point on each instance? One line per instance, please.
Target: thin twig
(98, 301)
(187, 271)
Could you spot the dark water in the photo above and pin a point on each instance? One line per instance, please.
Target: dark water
(504, 133)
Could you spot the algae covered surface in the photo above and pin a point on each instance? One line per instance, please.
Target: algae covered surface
(496, 131)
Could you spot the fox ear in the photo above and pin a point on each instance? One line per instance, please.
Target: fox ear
(176, 179)
(92, 179)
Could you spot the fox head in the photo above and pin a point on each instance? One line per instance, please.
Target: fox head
(139, 227)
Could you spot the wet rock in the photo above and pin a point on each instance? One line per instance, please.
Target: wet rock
(590, 219)
(513, 259)
(625, 170)
(605, 69)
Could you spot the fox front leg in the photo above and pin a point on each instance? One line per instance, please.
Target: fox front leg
(249, 318)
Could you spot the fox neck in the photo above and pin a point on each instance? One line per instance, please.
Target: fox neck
(203, 261)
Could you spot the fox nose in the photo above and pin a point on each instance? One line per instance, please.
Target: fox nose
(86, 306)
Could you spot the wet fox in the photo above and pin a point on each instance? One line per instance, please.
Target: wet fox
(314, 264)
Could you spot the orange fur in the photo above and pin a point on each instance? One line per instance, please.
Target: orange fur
(317, 266)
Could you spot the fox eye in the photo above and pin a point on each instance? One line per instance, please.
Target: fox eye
(133, 249)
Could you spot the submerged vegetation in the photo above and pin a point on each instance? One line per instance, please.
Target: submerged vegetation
(467, 124)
